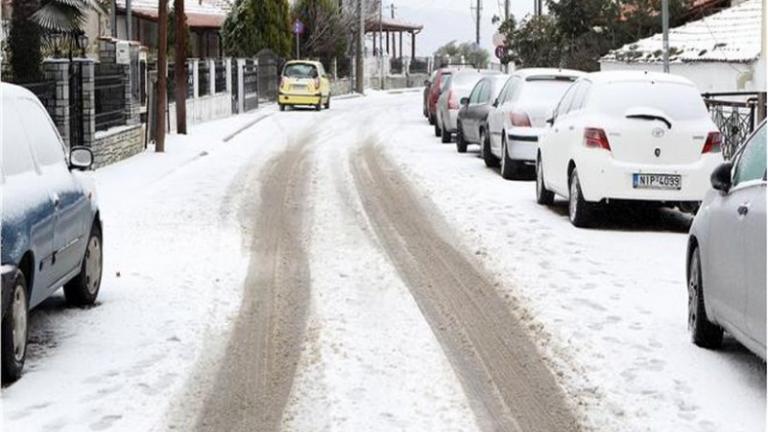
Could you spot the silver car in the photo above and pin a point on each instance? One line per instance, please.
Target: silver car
(727, 253)
(456, 87)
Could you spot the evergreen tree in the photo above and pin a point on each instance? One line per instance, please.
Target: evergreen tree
(253, 25)
(468, 52)
(24, 42)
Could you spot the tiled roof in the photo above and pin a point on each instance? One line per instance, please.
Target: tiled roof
(200, 13)
(732, 35)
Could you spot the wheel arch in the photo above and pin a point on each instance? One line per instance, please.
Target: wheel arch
(571, 168)
(693, 244)
(27, 267)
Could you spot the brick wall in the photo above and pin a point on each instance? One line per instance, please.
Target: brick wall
(117, 144)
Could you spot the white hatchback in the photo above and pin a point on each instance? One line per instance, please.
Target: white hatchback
(635, 136)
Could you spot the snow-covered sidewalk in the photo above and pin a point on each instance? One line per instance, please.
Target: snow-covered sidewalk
(172, 280)
(607, 306)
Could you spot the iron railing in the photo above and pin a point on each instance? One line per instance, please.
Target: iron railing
(203, 80)
(419, 65)
(250, 86)
(221, 76)
(736, 115)
(110, 101)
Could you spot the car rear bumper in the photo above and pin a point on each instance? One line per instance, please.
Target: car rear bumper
(298, 99)
(523, 144)
(452, 120)
(603, 178)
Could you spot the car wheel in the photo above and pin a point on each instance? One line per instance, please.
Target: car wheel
(543, 195)
(83, 289)
(510, 169)
(579, 210)
(282, 107)
(328, 103)
(490, 160)
(445, 136)
(438, 132)
(319, 106)
(15, 330)
(431, 119)
(461, 145)
(703, 332)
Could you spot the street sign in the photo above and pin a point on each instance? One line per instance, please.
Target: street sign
(298, 27)
(501, 52)
(498, 39)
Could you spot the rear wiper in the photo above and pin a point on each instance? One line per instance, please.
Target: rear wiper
(650, 117)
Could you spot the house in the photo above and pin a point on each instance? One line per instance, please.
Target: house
(722, 52)
(204, 18)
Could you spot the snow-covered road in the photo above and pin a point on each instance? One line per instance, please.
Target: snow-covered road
(605, 307)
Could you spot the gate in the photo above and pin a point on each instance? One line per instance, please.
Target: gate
(736, 114)
(268, 74)
(235, 86)
(76, 120)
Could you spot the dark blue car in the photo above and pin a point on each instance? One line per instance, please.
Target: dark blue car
(51, 231)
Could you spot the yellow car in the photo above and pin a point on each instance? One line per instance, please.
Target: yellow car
(304, 82)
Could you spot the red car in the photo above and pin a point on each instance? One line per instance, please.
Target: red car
(433, 93)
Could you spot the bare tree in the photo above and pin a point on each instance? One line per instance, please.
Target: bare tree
(162, 79)
(180, 68)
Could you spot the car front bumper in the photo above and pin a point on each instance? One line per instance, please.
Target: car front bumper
(603, 177)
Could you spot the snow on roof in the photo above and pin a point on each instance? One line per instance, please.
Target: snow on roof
(200, 13)
(732, 35)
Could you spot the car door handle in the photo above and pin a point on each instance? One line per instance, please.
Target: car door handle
(56, 200)
(743, 209)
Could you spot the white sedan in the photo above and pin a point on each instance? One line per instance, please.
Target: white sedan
(633, 136)
(518, 117)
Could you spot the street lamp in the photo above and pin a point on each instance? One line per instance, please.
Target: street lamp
(82, 42)
(55, 40)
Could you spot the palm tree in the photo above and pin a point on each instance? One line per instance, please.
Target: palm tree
(63, 16)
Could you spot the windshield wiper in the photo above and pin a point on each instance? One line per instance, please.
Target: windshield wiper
(650, 117)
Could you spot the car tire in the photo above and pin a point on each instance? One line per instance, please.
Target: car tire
(485, 148)
(580, 212)
(15, 330)
(445, 136)
(543, 195)
(510, 169)
(282, 107)
(328, 103)
(438, 131)
(319, 106)
(84, 288)
(461, 145)
(431, 119)
(703, 332)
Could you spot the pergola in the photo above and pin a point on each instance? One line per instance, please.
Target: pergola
(392, 29)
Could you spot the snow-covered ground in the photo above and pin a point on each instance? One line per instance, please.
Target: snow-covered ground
(172, 279)
(607, 306)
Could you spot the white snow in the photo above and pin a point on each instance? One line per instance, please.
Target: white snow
(172, 279)
(607, 306)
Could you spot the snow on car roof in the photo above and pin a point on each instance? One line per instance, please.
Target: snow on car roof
(12, 91)
(528, 72)
(732, 35)
(624, 76)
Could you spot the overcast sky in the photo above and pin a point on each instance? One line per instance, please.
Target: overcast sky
(446, 20)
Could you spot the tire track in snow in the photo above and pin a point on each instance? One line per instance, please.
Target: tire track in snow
(503, 375)
(254, 381)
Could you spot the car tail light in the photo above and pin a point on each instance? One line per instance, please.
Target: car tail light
(712, 145)
(595, 138)
(452, 102)
(282, 81)
(519, 120)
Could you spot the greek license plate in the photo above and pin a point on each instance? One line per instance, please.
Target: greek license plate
(656, 181)
(299, 87)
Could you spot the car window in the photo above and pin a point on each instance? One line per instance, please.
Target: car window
(485, 93)
(567, 100)
(514, 89)
(544, 91)
(677, 100)
(580, 95)
(41, 135)
(474, 97)
(751, 163)
(300, 70)
(16, 156)
(504, 90)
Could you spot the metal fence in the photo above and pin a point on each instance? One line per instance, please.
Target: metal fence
(203, 79)
(109, 95)
(221, 76)
(396, 66)
(250, 85)
(736, 115)
(419, 65)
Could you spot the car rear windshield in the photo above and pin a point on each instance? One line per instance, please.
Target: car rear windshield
(300, 70)
(546, 91)
(465, 80)
(678, 101)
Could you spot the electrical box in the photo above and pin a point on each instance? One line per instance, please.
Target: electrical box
(122, 52)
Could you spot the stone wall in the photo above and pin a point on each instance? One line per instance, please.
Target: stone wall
(116, 144)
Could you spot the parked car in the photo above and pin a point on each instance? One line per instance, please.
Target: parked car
(434, 92)
(304, 82)
(634, 136)
(472, 121)
(51, 230)
(726, 253)
(458, 86)
(518, 119)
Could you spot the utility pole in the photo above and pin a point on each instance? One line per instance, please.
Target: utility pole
(392, 8)
(128, 19)
(113, 18)
(359, 61)
(180, 68)
(506, 10)
(665, 30)
(478, 12)
(162, 67)
(381, 43)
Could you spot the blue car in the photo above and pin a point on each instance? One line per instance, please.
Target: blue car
(51, 230)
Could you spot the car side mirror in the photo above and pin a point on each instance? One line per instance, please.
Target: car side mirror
(721, 177)
(427, 83)
(80, 158)
(495, 103)
(551, 121)
(464, 101)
